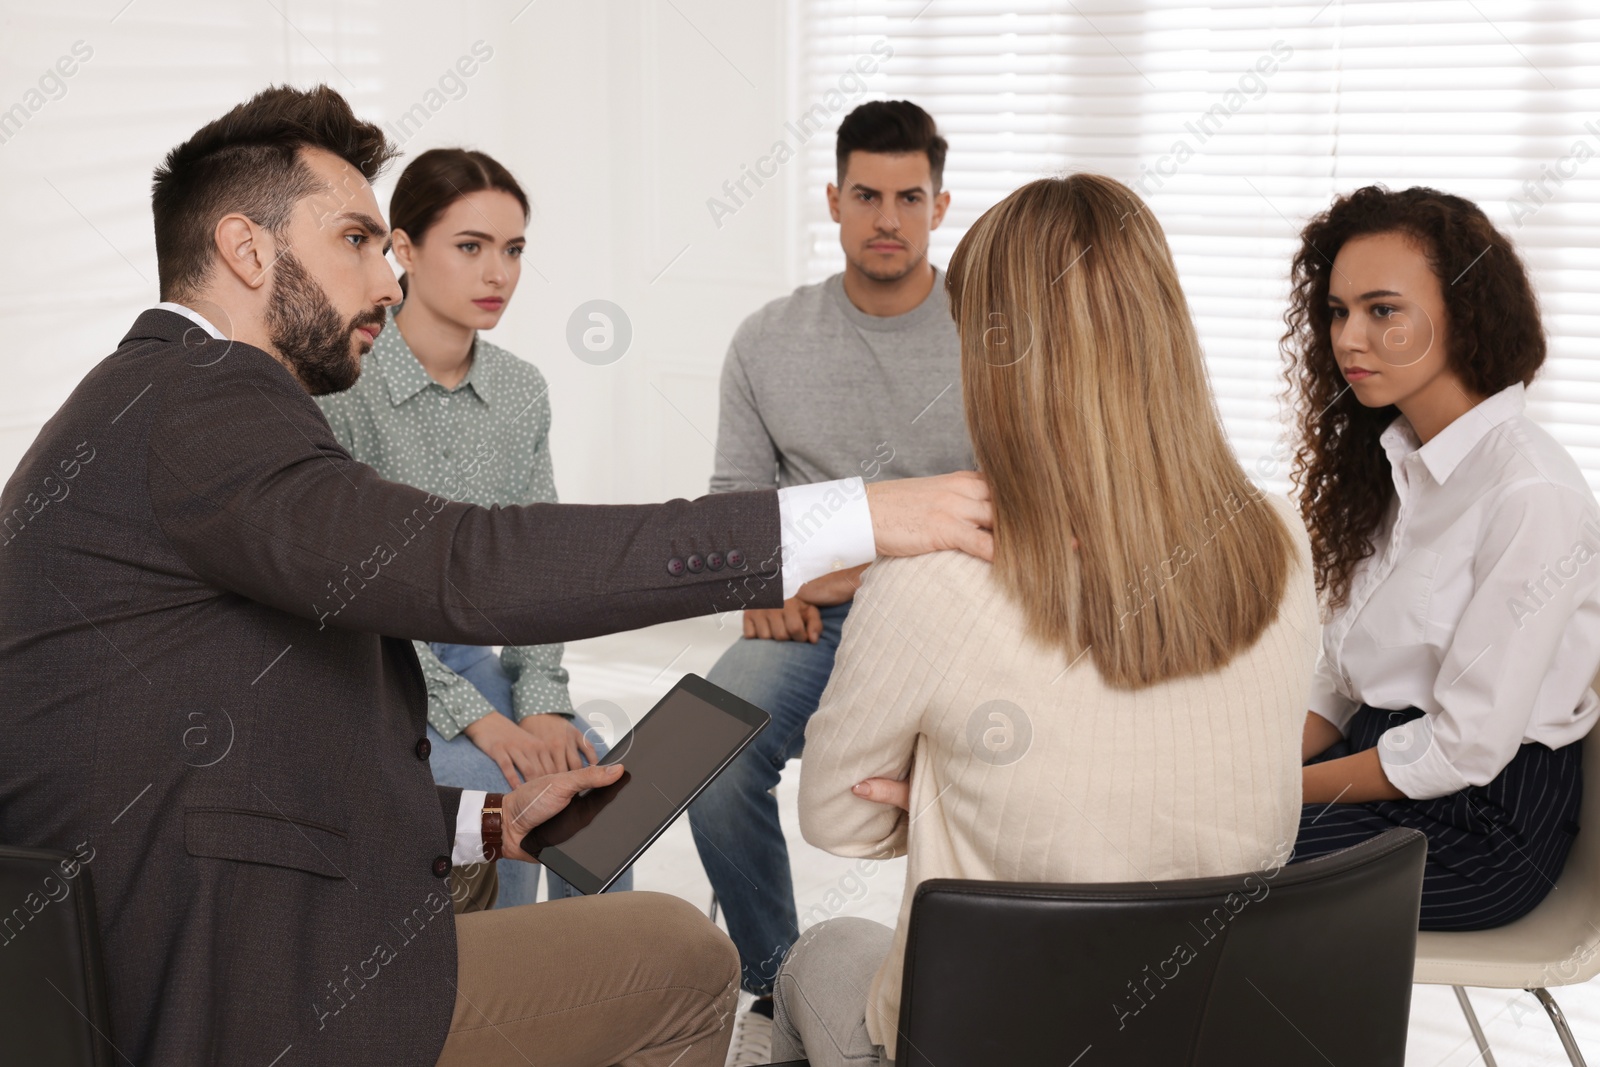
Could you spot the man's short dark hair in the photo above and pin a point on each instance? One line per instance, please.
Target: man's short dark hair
(891, 126)
(248, 161)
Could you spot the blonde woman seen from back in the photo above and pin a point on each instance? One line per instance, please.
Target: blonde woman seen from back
(1120, 695)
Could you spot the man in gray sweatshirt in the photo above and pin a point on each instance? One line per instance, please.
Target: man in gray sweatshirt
(856, 376)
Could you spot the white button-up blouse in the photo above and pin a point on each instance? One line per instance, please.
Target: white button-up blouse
(1480, 605)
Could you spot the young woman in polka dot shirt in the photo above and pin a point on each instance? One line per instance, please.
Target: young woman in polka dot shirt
(440, 408)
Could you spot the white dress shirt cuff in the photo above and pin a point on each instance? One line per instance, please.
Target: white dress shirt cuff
(1415, 764)
(826, 527)
(469, 828)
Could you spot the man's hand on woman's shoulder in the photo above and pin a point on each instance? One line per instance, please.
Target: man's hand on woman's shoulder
(911, 516)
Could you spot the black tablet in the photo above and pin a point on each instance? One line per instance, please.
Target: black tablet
(674, 752)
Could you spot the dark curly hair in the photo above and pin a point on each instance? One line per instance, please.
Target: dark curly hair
(1340, 472)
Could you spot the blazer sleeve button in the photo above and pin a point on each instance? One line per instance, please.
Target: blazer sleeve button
(675, 567)
(695, 564)
(736, 558)
(441, 866)
(714, 560)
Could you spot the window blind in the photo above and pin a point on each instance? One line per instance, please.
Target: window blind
(1236, 121)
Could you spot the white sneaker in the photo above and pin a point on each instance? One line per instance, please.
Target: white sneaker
(752, 1040)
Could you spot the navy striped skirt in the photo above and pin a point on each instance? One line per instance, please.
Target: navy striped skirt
(1494, 851)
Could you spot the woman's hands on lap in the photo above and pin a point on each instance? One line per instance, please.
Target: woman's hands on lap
(537, 746)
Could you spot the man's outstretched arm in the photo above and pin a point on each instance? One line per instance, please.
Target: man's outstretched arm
(256, 495)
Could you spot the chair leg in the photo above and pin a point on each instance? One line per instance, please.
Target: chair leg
(1472, 1024)
(1562, 1030)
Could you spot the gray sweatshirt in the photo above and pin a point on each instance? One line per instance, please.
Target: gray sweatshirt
(815, 389)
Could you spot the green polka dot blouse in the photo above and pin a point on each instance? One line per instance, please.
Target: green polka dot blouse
(487, 441)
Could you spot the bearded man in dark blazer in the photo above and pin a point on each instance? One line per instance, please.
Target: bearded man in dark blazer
(207, 683)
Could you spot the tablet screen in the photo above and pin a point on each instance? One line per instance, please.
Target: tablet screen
(669, 757)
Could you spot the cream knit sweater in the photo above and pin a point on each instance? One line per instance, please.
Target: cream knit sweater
(1025, 767)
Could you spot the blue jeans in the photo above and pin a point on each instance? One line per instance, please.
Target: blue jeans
(735, 821)
(461, 763)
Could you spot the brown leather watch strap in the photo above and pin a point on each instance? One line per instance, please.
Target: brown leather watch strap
(492, 824)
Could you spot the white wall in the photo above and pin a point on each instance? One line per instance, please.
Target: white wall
(699, 89)
(620, 119)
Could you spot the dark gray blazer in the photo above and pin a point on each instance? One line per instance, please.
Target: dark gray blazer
(206, 674)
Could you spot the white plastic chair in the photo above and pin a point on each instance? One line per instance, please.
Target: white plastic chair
(1556, 944)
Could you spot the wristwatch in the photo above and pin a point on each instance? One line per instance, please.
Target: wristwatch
(492, 826)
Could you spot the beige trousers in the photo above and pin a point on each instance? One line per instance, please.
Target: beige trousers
(634, 979)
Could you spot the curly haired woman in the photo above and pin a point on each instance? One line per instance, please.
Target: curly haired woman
(1456, 548)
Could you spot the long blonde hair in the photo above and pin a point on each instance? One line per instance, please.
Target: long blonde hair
(1092, 417)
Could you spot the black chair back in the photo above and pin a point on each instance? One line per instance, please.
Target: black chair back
(52, 983)
(1310, 963)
